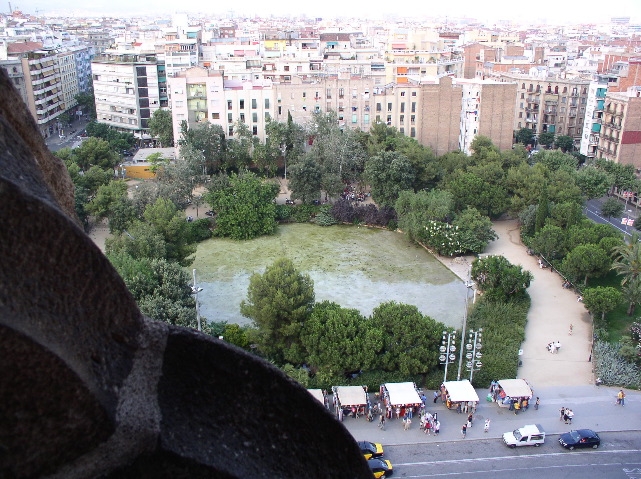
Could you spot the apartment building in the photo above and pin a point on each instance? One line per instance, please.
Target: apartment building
(128, 88)
(620, 134)
(593, 117)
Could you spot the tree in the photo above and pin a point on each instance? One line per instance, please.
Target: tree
(593, 182)
(622, 176)
(140, 240)
(627, 259)
(524, 184)
(208, 139)
(410, 339)
(525, 136)
(122, 213)
(549, 241)
(612, 207)
(279, 302)
(339, 340)
(546, 139)
(565, 143)
(555, 160)
(631, 292)
(106, 198)
(469, 190)
(499, 279)
(388, 174)
(87, 102)
(95, 151)
(542, 210)
(415, 210)
(475, 230)
(587, 260)
(244, 205)
(160, 125)
(601, 299)
(305, 177)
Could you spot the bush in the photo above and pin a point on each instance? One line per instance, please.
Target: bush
(325, 219)
(284, 212)
(304, 213)
(612, 368)
(198, 231)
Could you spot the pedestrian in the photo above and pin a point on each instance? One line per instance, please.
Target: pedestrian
(570, 414)
(469, 420)
(436, 395)
(525, 404)
(562, 414)
(458, 408)
(621, 398)
(437, 427)
(381, 422)
(536, 403)
(428, 427)
(487, 425)
(406, 423)
(464, 430)
(517, 407)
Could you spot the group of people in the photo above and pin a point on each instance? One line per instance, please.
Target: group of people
(429, 422)
(566, 415)
(468, 424)
(554, 346)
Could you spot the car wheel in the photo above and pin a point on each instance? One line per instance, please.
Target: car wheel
(536, 445)
(595, 446)
(513, 446)
(571, 448)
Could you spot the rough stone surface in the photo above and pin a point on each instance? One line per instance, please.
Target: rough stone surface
(91, 388)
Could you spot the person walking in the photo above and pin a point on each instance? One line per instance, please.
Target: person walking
(517, 407)
(621, 398)
(562, 414)
(436, 395)
(408, 423)
(469, 420)
(536, 403)
(381, 422)
(437, 427)
(464, 430)
(486, 428)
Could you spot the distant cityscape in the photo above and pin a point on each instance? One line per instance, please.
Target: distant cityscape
(441, 82)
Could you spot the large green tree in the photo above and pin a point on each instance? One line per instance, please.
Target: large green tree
(279, 301)
(305, 177)
(170, 223)
(586, 260)
(475, 230)
(499, 279)
(565, 143)
(208, 139)
(107, 196)
(602, 299)
(388, 173)
(410, 339)
(525, 136)
(593, 182)
(244, 205)
(627, 259)
(550, 242)
(95, 151)
(470, 190)
(415, 210)
(546, 139)
(340, 340)
(612, 207)
(160, 125)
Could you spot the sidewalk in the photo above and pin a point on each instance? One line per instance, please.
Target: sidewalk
(594, 408)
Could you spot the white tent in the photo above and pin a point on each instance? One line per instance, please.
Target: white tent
(318, 394)
(351, 395)
(516, 388)
(461, 391)
(401, 394)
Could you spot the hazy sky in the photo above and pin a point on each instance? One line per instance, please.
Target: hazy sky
(555, 11)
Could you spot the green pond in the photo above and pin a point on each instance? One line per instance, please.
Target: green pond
(356, 267)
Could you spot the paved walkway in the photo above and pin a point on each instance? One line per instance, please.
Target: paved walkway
(553, 309)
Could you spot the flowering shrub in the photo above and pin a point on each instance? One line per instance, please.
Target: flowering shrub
(612, 368)
(443, 237)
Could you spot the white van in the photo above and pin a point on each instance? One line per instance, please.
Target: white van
(530, 435)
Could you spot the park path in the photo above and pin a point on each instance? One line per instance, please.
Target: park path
(553, 309)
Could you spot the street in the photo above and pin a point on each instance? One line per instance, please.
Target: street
(618, 457)
(592, 210)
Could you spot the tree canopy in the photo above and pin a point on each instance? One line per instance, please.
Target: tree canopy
(160, 125)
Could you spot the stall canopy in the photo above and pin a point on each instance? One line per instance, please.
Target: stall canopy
(402, 394)
(461, 391)
(516, 388)
(350, 395)
(318, 394)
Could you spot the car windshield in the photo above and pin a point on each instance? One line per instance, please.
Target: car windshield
(575, 436)
(517, 435)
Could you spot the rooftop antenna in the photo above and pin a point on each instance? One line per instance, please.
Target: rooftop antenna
(10, 10)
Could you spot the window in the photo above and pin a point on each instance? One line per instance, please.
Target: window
(520, 114)
(413, 119)
(341, 93)
(179, 103)
(215, 116)
(266, 103)
(354, 118)
(280, 110)
(366, 118)
(413, 93)
(413, 107)
(378, 118)
(286, 68)
(230, 131)
(402, 93)
(254, 130)
(304, 94)
(378, 107)
(255, 117)
(230, 119)
(522, 96)
(242, 117)
(402, 119)
(328, 93)
(254, 103)
(267, 116)
(229, 106)
(389, 107)
(242, 104)
(389, 119)
(413, 132)
(402, 130)
(402, 107)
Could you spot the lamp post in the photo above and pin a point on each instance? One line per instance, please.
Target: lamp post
(474, 354)
(468, 285)
(195, 290)
(447, 349)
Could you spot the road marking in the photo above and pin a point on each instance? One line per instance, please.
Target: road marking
(526, 456)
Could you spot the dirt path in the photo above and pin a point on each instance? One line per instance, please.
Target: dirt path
(553, 310)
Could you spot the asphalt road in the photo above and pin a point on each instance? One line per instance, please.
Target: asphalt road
(592, 209)
(618, 457)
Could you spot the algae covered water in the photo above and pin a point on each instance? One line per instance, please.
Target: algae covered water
(355, 267)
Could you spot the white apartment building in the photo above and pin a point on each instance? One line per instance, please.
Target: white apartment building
(66, 64)
(593, 117)
(128, 88)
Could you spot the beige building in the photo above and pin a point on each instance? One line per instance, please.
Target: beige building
(620, 135)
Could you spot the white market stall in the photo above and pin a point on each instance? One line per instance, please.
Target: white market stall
(401, 399)
(320, 395)
(350, 400)
(509, 390)
(459, 393)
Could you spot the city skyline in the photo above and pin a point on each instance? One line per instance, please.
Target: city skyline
(573, 12)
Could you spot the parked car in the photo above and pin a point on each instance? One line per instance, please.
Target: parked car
(380, 467)
(580, 438)
(210, 213)
(530, 435)
(370, 449)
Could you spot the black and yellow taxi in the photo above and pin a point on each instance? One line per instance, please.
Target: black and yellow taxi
(370, 449)
(380, 468)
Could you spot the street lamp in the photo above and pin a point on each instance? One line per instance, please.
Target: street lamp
(469, 284)
(474, 354)
(195, 290)
(447, 349)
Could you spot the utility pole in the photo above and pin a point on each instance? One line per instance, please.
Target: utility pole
(195, 290)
